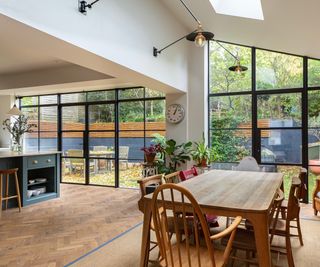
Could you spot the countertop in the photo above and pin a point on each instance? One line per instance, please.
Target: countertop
(11, 154)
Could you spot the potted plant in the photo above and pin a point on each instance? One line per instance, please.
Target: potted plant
(17, 128)
(150, 152)
(201, 154)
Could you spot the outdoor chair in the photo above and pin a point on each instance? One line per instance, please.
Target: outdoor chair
(193, 246)
(124, 155)
(248, 164)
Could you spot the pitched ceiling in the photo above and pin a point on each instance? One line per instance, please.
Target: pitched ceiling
(289, 25)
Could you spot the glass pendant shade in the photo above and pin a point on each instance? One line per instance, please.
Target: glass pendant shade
(14, 111)
(200, 40)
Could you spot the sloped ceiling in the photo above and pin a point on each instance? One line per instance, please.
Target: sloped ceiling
(289, 25)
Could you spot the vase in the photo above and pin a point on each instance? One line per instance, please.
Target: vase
(17, 144)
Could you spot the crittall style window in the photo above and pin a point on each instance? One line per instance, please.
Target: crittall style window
(270, 112)
(100, 133)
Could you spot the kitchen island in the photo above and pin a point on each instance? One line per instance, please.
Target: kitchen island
(38, 174)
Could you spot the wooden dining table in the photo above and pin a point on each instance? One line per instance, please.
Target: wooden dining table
(230, 194)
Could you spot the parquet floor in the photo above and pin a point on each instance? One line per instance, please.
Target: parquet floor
(56, 232)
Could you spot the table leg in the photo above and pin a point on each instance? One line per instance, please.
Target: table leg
(261, 232)
(145, 243)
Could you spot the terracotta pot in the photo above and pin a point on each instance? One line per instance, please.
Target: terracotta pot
(203, 163)
(315, 169)
(150, 157)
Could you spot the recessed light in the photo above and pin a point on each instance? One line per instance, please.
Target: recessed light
(251, 9)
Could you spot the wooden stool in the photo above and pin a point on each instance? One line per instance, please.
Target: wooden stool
(6, 174)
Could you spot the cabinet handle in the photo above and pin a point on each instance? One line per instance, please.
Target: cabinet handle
(35, 162)
(48, 160)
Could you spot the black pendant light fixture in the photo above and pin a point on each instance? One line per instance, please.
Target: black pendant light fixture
(83, 5)
(200, 37)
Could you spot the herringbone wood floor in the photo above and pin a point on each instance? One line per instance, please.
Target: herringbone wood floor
(58, 231)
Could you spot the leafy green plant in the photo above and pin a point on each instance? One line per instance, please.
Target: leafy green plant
(201, 153)
(172, 156)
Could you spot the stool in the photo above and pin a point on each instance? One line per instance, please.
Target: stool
(6, 174)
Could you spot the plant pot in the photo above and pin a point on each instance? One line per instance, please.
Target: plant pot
(203, 163)
(150, 158)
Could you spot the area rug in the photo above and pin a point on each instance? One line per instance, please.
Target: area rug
(124, 250)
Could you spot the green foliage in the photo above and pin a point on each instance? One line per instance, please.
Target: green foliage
(172, 155)
(201, 152)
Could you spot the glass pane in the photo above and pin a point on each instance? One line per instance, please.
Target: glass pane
(101, 95)
(131, 115)
(73, 118)
(48, 99)
(131, 93)
(281, 146)
(130, 144)
(101, 144)
(73, 98)
(314, 172)
(49, 118)
(221, 78)
(32, 114)
(129, 172)
(30, 141)
(289, 172)
(313, 72)
(230, 111)
(102, 172)
(154, 93)
(48, 141)
(73, 170)
(72, 144)
(231, 145)
(281, 110)
(276, 70)
(314, 146)
(29, 101)
(101, 117)
(314, 108)
(155, 115)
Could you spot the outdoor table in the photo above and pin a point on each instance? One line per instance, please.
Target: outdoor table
(230, 194)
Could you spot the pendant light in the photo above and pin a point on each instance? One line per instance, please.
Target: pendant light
(14, 111)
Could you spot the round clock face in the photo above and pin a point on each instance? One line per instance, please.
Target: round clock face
(175, 113)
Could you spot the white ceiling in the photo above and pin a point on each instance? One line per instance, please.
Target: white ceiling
(289, 25)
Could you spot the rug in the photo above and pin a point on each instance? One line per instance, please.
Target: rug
(124, 250)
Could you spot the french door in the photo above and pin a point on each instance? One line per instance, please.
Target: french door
(88, 143)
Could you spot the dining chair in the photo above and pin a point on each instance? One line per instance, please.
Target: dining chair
(196, 248)
(143, 183)
(300, 192)
(248, 164)
(172, 177)
(188, 174)
(245, 240)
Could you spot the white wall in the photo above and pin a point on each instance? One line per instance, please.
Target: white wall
(121, 31)
(6, 104)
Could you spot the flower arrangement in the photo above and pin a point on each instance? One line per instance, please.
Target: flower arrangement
(151, 151)
(17, 128)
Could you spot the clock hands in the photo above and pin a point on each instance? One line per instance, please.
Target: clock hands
(174, 113)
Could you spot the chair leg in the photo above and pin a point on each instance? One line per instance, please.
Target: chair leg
(18, 191)
(289, 251)
(7, 190)
(315, 212)
(299, 231)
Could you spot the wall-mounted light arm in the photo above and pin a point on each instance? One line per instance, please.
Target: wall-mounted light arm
(190, 12)
(83, 5)
(158, 51)
(235, 57)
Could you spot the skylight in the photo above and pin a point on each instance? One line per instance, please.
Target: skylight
(251, 9)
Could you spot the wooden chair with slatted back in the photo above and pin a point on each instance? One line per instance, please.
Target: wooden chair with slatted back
(143, 183)
(300, 193)
(244, 238)
(282, 226)
(196, 249)
(316, 197)
(172, 177)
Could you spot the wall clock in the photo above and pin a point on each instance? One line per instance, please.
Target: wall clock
(175, 113)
